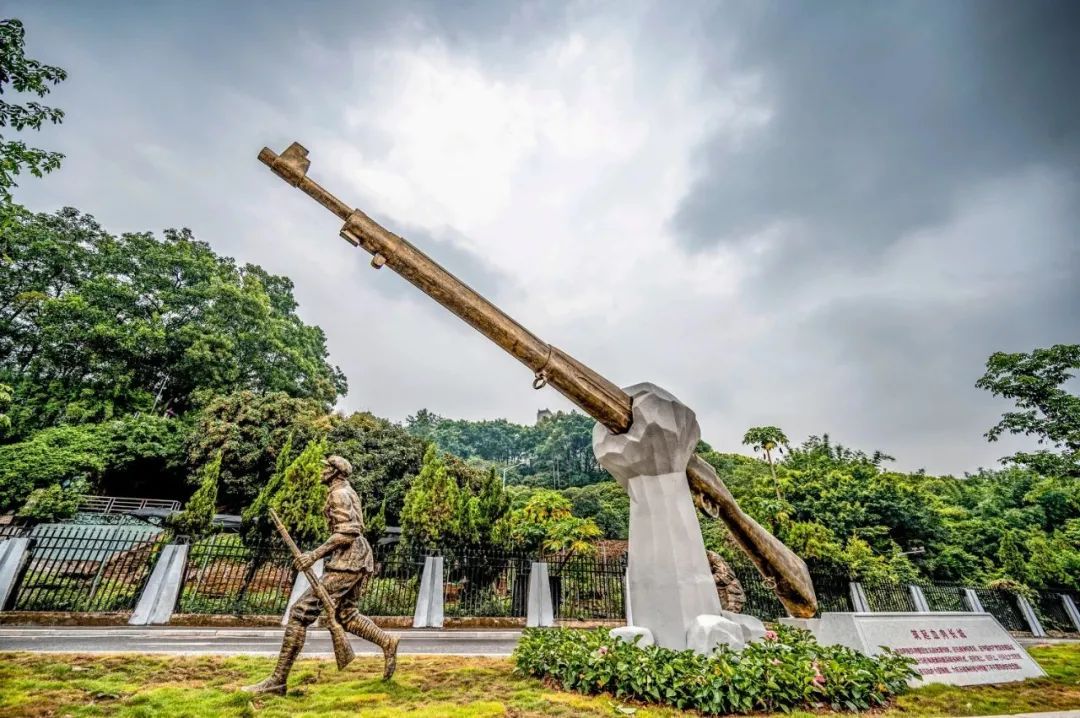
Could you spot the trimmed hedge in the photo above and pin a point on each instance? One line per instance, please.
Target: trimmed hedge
(787, 670)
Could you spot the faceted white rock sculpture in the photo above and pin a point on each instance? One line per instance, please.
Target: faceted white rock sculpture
(631, 633)
(752, 627)
(708, 632)
(668, 572)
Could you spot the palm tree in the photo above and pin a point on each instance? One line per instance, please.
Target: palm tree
(767, 439)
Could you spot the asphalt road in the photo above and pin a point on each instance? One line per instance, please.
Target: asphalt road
(236, 641)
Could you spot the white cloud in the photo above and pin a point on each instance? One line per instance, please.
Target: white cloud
(560, 164)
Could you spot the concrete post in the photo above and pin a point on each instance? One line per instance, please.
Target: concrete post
(540, 608)
(429, 599)
(158, 599)
(858, 598)
(1030, 618)
(626, 599)
(918, 599)
(1071, 610)
(300, 584)
(13, 553)
(972, 600)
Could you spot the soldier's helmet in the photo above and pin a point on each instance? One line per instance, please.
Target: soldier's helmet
(342, 466)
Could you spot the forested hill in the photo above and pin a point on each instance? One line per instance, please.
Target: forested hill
(556, 452)
(834, 505)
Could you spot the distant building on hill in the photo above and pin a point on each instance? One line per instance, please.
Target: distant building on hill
(542, 414)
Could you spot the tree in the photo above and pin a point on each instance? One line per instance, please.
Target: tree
(546, 522)
(255, 524)
(431, 513)
(5, 402)
(251, 429)
(53, 503)
(301, 499)
(767, 439)
(1046, 409)
(296, 492)
(606, 503)
(384, 457)
(423, 423)
(197, 519)
(481, 511)
(22, 74)
(1010, 557)
(136, 455)
(95, 326)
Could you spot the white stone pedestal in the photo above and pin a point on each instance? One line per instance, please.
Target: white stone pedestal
(669, 581)
(957, 648)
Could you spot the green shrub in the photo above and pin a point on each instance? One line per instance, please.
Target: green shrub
(789, 670)
(53, 503)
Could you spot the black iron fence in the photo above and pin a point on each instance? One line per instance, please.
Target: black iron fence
(1050, 608)
(393, 588)
(84, 568)
(485, 583)
(587, 588)
(81, 568)
(224, 575)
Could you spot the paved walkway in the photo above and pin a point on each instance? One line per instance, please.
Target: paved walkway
(239, 641)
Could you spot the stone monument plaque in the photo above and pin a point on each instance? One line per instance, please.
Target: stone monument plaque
(951, 647)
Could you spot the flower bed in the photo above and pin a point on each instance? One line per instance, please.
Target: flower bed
(787, 670)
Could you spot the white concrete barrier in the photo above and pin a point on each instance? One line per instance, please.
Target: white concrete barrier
(158, 598)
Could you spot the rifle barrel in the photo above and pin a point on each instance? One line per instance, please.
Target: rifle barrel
(595, 395)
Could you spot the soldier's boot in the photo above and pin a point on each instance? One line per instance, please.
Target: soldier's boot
(290, 648)
(365, 628)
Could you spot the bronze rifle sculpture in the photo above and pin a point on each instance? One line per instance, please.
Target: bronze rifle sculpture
(785, 572)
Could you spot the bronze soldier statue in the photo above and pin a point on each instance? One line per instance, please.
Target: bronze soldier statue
(728, 586)
(348, 565)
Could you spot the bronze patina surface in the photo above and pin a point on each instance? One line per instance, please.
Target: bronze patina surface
(596, 396)
(728, 586)
(348, 565)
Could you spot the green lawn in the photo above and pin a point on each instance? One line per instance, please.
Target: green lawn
(127, 685)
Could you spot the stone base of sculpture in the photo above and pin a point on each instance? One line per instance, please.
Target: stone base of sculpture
(705, 633)
(672, 586)
(669, 579)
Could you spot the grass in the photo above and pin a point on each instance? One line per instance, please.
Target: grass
(60, 685)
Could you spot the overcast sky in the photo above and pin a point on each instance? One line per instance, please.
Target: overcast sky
(819, 215)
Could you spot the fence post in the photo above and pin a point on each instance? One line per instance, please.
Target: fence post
(12, 555)
(1071, 610)
(429, 599)
(300, 584)
(1029, 616)
(972, 599)
(158, 598)
(918, 598)
(540, 610)
(858, 598)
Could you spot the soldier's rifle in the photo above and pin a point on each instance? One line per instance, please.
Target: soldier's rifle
(598, 397)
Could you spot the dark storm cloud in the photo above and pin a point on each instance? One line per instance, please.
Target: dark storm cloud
(881, 112)
(917, 170)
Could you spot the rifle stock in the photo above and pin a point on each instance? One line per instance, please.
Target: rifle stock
(598, 397)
